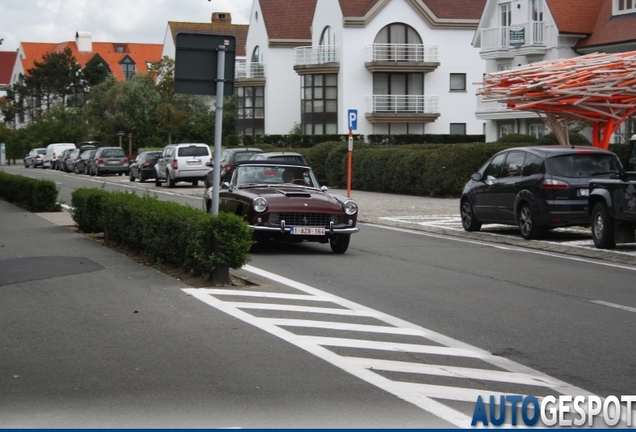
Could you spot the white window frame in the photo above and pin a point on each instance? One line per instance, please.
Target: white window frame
(623, 7)
(506, 129)
(537, 130)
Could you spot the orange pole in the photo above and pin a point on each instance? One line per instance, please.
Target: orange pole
(349, 164)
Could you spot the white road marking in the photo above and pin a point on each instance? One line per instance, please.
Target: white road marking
(505, 247)
(369, 364)
(613, 305)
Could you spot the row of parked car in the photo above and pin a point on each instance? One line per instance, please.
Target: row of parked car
(186, 162)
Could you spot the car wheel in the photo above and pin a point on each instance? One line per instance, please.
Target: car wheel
(171, 182)
(157, 182)
(602, 227)
(527, 224)
(142, 177)
(131, 176)
(26, 165)
(339, 243)
(97, 173)
(195, 183)
(469, 221)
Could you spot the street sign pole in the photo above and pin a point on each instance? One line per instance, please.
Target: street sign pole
(218, 125)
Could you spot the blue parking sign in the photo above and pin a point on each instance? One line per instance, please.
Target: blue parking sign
(352, 115)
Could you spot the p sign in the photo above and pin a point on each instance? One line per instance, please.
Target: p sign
(353, 119)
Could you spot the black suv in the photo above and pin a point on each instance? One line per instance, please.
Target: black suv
(229, 158)
(613, 205)
(535, 188)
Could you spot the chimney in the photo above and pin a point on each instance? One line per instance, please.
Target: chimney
(222, 17)
(83, 40)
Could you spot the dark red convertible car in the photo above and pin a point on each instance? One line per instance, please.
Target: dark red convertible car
(284, 202)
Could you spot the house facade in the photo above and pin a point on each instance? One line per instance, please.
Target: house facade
(7, 60)
(406, 66)
(122, 59)
(514, 33)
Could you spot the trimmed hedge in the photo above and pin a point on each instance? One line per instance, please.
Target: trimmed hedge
(164, 231)
(31, 194)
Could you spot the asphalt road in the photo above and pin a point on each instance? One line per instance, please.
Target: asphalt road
(466, 316)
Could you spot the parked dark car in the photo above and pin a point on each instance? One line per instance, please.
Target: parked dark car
(535, 188)
(143, 167)
(68, 162)
(280, 157)
(82, 164)
(63, 159)
(229, 158)
(109, 160)
(284, 202)
(34, 157)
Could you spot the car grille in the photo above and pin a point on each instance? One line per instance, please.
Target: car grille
(305, 219)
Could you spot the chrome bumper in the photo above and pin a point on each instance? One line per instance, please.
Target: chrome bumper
(286, 230)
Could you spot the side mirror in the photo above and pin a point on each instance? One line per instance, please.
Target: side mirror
(476, 176)
(324, 188)
(225, 185)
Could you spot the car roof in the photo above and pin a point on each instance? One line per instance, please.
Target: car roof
(244, 149)
(267, 154)
(557, 150)
(271, 163)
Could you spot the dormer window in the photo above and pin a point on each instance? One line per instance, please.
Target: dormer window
(120, 48)
(128, 68)
(622, 7)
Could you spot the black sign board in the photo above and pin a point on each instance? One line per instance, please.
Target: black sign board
(196, 63)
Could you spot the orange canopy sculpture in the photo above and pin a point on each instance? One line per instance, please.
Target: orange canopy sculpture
(596, 88)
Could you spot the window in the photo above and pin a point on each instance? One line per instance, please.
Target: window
(327, 46)
(494, 168)
(398, 92)
(536, 10)
(128, 68)
(458, 128)
(621, 7)
(250, 110)
(457, 82)
(397, 42)
(537, 130)
(514, 164)
(504, 130)
(319, 104)
(256, 65)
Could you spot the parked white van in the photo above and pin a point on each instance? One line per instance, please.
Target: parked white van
(53, 151)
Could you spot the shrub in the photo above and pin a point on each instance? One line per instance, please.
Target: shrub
(31, 194)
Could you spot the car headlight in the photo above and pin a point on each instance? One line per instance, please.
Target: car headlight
(259, 204)
(350, 207)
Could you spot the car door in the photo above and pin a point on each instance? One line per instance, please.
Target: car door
(484, 191)
(160, 166)
(508, 185)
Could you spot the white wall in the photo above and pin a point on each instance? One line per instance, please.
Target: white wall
(282, 88)
(355, 82)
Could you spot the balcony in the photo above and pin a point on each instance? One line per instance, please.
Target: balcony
(317, 59)
(249, 74)
(529, 38)
(402, 108)
(401, 58)
(493, 110)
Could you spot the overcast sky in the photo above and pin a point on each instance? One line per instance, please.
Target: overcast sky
(143, 21)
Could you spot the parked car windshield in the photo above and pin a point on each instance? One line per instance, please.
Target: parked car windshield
(583, 165)
(193, 151)
(243, 156)
(247, 175)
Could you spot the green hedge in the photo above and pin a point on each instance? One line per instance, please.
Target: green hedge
(164, 231)
(31, 194)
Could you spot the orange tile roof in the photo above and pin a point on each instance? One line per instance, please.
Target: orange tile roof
(138, 52)
(7, 60)
(609, 30)
(239, 31)
(285, 19)
(444, 9)
(578, 20)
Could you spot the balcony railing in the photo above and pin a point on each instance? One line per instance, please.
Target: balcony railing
(528, 33)
(401, 53)
(402, 104)
(249, 70)
(316, 55)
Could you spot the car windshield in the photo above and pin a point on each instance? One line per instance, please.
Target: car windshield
(243, 156)
(193, 151)
(248, 175)
(583, 165)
